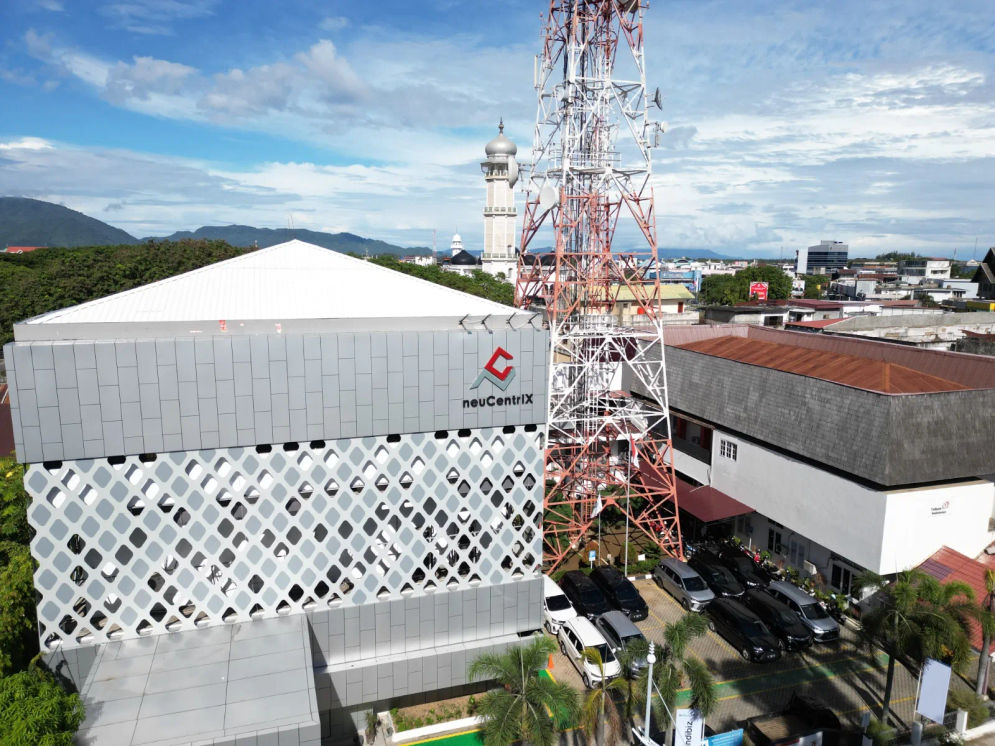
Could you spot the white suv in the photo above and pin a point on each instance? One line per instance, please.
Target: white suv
(556, 607)
(577, 634)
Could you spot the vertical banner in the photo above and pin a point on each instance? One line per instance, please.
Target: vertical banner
(690, 727)
(933, 690)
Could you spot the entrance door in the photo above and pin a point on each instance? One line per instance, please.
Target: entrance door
(842, 578)
(796, 554)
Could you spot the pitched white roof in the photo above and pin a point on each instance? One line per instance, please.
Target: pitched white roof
(289, 282)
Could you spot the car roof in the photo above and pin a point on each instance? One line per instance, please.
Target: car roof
(681, 568)
(735, 607)
(610, 574)
(586, 631)
(577, 577)
(766, 599)
(619, 622)
(793, 592)
(549, 587)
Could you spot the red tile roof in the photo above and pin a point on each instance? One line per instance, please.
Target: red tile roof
(947, 564)
(22, 249)
(849, 370)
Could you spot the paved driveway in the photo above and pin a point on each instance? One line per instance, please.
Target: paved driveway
(844, 677)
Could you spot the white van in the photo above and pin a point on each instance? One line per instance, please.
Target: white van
(556, 607)
(577, 635)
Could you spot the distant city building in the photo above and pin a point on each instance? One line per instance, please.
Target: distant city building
(915, 271)
(984, 275)
(823, 258)
(500, 238)
(671, 305)
(460, 261)
(422, 260)
(275, 492)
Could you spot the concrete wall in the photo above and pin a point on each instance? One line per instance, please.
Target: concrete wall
(869, 527)
(82, 399)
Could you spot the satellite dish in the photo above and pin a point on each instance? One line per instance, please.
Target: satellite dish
(658, 99)
(547, 199)
(512, 171)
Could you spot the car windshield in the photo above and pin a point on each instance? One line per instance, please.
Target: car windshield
(814, 612)
(694, 583)
(786, 617)
(607, 656)
(632, 638)
(752, 627)
(626, 592)
(557, 603)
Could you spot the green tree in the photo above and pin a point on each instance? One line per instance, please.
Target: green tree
(598, 714)
(916, 617)
(986, 618)
(815, 285)
(13, 503)
(35, 710)
(526, 705)
(724, 290)
(18, 636)
(676, 670)
(778, 283)
(730, 289)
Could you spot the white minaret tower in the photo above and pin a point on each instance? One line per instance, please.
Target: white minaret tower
(500, 173)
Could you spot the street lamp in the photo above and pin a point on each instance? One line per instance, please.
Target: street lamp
(645, 735)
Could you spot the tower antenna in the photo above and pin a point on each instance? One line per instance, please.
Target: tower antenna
(591, 169)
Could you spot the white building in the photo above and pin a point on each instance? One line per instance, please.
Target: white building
(460, 261)
(914, 271)
(836, 455)
(824, 257)
(500, 174)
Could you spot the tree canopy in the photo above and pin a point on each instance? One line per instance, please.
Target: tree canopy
(730, 289)
(479, 283)
(35, 710)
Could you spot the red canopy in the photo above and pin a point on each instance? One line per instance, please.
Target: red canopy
(707, 503)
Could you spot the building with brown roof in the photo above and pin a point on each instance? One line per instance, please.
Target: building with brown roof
(849, 454)
(984, 275)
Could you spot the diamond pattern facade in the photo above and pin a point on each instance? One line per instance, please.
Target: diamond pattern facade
(149, 544)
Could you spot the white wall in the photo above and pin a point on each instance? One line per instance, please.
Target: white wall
(882, 531)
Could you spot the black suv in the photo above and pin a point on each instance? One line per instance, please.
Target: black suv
(585, 596)
(717, 575)
(620, 592)
(743, 568)
(743, 630)
(780, 620)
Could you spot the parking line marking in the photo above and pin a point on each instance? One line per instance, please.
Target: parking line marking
(867, 707)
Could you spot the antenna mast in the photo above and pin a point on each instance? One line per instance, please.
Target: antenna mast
(591, 170)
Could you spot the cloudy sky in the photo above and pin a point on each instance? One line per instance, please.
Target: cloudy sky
(788, 121)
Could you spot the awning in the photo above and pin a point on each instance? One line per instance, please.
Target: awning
(707, 503)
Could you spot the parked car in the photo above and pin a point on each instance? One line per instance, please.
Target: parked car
(718, 577)
(578, 634)
(585, 596)
(620, 592)
(743, 568)
(824, 628)
(556, 607)
(782, 621)
(683, 583)
(743, 630)
(621, 634)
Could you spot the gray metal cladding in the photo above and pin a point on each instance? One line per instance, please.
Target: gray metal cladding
(89, 399)
(890, 440)
(149, 545)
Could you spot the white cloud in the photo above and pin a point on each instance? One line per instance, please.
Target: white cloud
(155, 16)
(333, 23)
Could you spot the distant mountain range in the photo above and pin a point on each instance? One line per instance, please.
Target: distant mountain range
(32, 222)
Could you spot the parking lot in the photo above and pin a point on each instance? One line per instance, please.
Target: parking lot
(848, 679)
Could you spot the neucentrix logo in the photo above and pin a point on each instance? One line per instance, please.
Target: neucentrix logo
(500, 377)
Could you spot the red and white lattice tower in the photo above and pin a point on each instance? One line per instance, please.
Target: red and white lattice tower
(590, 170)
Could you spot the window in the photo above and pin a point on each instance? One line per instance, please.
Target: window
(728, 449)
(774, 541)
(842, 578)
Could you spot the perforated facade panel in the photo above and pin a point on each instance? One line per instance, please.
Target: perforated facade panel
(203, 537)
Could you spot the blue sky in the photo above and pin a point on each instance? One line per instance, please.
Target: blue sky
(789, 121)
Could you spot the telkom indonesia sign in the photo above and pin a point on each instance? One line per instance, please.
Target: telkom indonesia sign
(499, 372)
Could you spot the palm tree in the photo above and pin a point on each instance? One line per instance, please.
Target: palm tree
(675, 670)
(916, 617)
(986, 618)
(630, 687)
(526, 706)
(599, 714)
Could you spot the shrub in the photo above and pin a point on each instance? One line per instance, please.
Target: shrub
(881, 734)
(965, 699)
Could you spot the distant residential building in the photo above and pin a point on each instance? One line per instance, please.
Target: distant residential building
(931, 329)
(22, 249)
(984, 275)
(754, 314)
(671, 306)
(822, 258)
(915, 271)
(422, 260)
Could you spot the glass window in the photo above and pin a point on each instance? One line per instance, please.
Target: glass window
(694, 584)
(728, 449)
(557, 603)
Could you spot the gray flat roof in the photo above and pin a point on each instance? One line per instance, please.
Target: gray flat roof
(247, 679)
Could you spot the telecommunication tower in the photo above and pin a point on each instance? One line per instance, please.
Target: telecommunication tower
(590, 172)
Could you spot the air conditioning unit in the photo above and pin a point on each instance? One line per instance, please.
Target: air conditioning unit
(809, 568)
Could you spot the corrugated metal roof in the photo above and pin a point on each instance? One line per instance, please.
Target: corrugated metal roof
(293, 280)
(816, 324)
(849, 370)
(948, 564)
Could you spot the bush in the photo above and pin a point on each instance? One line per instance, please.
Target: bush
(35, 710)
(881, 734)
(965, 699)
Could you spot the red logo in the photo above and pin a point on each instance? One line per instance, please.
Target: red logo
(501, 378)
